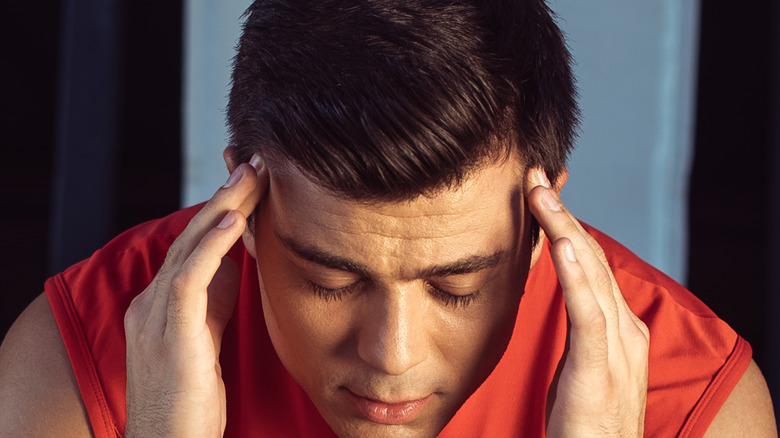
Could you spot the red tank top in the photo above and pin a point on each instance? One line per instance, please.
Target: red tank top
(695, 358)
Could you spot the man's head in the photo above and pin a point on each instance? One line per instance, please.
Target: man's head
(393, 243)
(386, 100)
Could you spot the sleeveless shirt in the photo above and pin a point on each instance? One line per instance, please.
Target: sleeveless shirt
(695, 358)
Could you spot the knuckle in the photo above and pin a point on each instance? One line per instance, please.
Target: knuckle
(642, 340)
(179, 283)
(138, 328)
(604, 282)
(131, 320)
(645, 330)
(597, 321)
(595, 324)
(136, 313)
(172, 258)
(637, 348)
(159, 281)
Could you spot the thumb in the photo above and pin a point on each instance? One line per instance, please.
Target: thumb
(222, 294)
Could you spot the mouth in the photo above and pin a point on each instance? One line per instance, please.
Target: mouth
(389, 413)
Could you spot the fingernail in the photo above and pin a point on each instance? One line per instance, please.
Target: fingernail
(227, 221)
(234, 177)
(568, 251)
(550, 202)
(256, 162)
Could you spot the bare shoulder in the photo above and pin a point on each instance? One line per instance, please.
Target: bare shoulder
(38, 392)
(748, 410)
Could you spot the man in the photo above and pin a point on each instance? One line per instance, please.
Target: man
(388, 257)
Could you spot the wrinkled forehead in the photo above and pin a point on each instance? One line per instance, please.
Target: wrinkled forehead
(482, 216)
(485, 195)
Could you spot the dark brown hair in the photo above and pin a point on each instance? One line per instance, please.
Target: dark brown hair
(386, 100)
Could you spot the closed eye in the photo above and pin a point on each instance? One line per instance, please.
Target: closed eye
(450, 299)
(336, 294)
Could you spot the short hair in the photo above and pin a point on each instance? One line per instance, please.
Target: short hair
(386, 100)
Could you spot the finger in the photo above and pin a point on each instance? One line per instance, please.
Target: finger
(558, 223)
(562, 223)
(634, 331)
(539, 179)
(240, 192)
(222, 295)
(137, 316)
(188, 297)
(551, 214)
(261, 187)
(223, 288)
(589, 333)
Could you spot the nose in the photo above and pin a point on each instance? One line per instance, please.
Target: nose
(393, 336)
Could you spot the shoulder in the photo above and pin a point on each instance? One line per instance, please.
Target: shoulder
(164, 229)
(112, 276)
(648, 290)
(38, 391)
(698, 365)
(748, 410)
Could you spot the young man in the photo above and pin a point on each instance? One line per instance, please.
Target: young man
(407, 268)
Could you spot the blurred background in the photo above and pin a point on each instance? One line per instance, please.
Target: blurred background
(113, 115)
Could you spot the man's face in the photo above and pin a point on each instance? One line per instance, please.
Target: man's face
(390, 315)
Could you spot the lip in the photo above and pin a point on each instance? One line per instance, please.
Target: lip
(394, 413)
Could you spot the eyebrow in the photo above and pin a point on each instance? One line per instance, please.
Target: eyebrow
(468, 265)
(316, 255)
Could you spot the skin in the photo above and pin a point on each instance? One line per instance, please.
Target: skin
(174, 332)
(394, 329)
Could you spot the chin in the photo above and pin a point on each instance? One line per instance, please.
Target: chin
(364, 428)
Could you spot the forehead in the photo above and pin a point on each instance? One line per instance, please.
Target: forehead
(476, 218)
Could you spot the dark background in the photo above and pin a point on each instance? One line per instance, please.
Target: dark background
(90, 132)
(79, 166)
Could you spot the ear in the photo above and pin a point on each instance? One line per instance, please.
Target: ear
(557, 185)
(248, 236)
(231, 161)
(561, 180)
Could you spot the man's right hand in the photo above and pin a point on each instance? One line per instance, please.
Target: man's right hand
(174, 328)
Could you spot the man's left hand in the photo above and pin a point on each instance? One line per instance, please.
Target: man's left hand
(602, 388)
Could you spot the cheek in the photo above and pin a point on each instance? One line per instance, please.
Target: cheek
(304, 336)
(483, 340)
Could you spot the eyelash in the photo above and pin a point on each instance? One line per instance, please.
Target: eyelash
(447, 298)
(333, 294)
